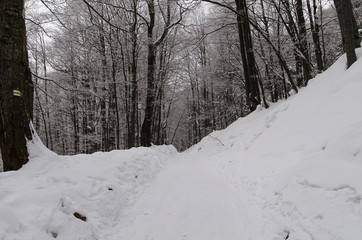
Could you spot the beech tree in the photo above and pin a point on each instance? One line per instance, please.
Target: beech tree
(152, 44)
(16, 88)
(348, 28)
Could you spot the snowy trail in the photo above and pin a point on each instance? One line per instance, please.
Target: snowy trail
(188, 200)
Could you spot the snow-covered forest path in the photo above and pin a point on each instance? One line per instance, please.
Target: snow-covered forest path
(189, 199)
(292, 171)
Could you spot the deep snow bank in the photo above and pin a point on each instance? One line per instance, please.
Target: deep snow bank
(39, 200)
(300, 162)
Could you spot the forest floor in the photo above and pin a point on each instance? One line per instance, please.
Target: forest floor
(292, 171)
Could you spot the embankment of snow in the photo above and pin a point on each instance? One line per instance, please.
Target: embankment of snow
(299, 163)
(39, 200)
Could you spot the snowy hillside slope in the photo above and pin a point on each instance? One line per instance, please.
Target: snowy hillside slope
(39, 201)
(299, 163)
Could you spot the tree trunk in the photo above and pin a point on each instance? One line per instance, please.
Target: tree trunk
(105, 93)
(303, 42)
(74, 108)
(348, 28)
(16, 110)
(114, 90)
(49, 132)
(248, 59)
(314, 26)
(324, 57)
(146, 131)
(134, 83)
(297, 34)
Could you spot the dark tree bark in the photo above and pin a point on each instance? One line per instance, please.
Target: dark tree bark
(314, 26)
(303, 42)
(146, 131)
(246, 47)
(148, 121)
(74, 107)
(348, 27)
(134, 83)
(115, 93)
(16, 112)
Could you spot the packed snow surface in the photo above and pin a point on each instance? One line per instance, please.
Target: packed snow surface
(293, 171)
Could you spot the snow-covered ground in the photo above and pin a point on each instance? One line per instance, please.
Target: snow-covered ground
(39, 201)
(293, 171)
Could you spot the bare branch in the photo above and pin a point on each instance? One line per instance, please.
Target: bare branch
(54, 14)
(102, 17)
(39, 25)
(50, 80)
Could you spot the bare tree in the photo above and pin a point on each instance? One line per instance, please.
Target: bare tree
(152, 44)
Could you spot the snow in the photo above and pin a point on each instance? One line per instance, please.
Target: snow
(292, 171)
(194, 203)
(39, 200)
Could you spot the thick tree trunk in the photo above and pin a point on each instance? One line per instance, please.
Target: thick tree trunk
(348, 28)
(248, 59)
(16, 110)
(303, 42)
(146, 131)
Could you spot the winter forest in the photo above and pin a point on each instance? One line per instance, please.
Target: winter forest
(180, 119)
(106, 72)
